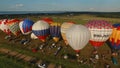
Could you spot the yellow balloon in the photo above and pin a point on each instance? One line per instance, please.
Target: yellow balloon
(64, 27)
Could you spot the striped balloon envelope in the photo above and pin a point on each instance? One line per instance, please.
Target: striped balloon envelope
(100, 31)
(114, 39)
(26, 26)
(78, 36)
(13, 25)
(64, 27)
(4, 27)
(55, 31)
(41, 30)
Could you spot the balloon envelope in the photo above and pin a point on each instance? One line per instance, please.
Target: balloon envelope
(100, 31)
(64, 27)
(114, 39)
(78, 36)
(55, 31)
(26, 26)
(4, 27)
(33, 36)
(41, 30)
(13, 25)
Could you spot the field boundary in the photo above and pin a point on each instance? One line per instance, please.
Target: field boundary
(25, 58)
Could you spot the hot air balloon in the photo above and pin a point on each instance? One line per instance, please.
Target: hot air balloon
(33, 36)
(41, 30)
(78, 36)
(55, 31)
(114, 39)
(48, 20)
(13, 25)
(26, 26)
(4, 27)
(64, 27)
(100, 32)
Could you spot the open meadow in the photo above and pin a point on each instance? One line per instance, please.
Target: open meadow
(47, 54)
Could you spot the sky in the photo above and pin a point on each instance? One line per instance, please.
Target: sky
(60, 5)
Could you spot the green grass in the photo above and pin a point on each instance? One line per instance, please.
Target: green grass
(79, 19)
(49, 58)
(6, 62)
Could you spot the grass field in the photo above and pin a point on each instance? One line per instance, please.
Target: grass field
(6, 62)
(48, 56)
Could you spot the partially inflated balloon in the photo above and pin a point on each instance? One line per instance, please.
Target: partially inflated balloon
(4, 27)
(100, 31)
(78, 36)
(48, 20)
(115, 37)
(64, 27)
(41, 30)
(13, 25)
(55, 31)
(26, 26)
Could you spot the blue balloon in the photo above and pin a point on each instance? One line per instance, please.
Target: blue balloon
(116, 25)
(27, 25)
(55, 31)
(41, 32)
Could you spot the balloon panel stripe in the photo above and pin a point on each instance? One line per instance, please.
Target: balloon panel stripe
(41, 32)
